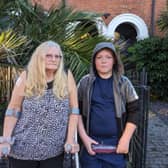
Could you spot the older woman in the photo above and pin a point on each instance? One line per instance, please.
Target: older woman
(43, 112)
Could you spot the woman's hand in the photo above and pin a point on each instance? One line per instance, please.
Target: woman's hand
(88, 141)
(71, 147)
(75, 148)
(4, 149)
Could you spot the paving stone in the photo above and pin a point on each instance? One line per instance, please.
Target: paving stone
(157, 143)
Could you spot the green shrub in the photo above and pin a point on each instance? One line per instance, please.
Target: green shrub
(152, 53)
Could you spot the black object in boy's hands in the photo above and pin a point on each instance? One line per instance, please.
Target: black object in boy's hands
(101, 148)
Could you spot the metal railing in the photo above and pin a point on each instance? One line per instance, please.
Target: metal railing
(138, 146)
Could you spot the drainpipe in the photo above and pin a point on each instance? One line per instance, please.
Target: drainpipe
(152, 26)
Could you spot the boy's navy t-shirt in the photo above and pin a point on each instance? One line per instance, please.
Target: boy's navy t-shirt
(103, 124)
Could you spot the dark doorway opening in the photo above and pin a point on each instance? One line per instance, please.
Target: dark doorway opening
(125, 33)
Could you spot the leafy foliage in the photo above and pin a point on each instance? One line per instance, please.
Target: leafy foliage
(152, 54)
(6, 8)
(59, 25)
(8, 42)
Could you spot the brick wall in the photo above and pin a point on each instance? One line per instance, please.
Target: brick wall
(141, 8)
(47, 4)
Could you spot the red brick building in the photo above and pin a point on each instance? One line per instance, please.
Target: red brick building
(127, 17)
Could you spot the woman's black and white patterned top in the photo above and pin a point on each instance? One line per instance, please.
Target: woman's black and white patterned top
(41, 131)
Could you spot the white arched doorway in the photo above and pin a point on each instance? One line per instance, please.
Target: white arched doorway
(137, 22)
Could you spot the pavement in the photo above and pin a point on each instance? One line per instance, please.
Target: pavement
(157, 142)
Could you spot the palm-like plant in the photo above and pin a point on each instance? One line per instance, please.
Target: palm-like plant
(58, 25)
(5, 9)
(8, 42)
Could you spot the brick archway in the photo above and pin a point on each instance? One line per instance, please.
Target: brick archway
(137, 22)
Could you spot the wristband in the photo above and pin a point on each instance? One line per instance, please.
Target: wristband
(13, 113)
(75, 110)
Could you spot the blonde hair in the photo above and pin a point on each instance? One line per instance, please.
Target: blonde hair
(36, 77)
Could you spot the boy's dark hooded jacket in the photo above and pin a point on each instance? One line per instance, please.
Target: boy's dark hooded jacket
(125, 97)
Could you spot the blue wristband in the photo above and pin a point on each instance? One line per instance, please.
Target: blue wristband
(75, 110)
(13, 113)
